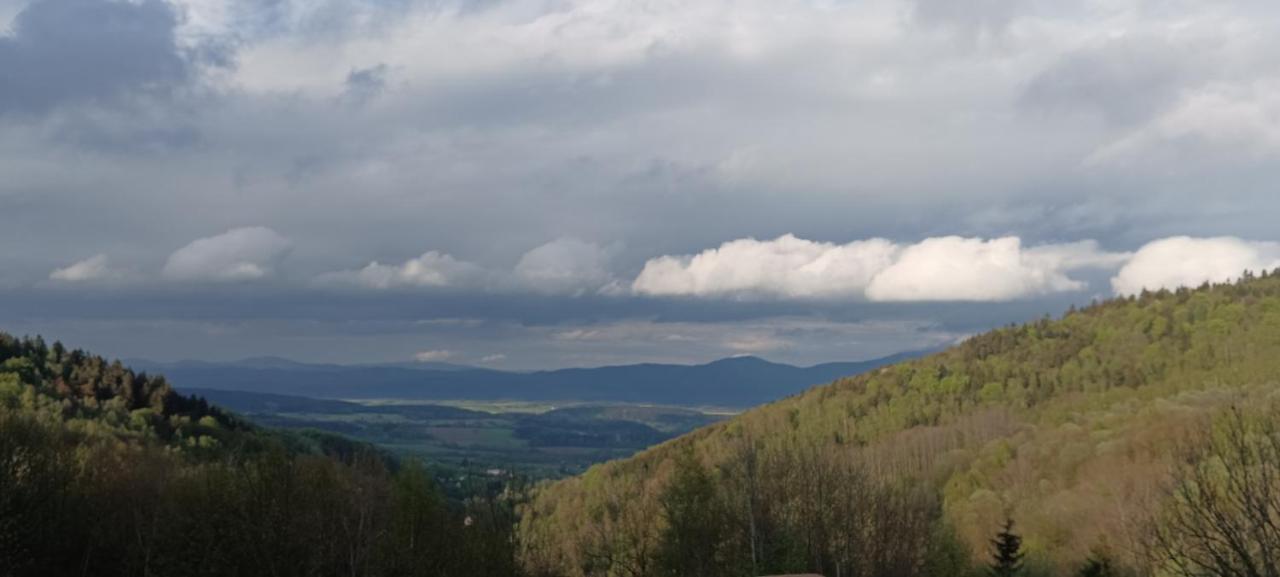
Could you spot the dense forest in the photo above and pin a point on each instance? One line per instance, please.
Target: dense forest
(104, 471)
(1137, 437)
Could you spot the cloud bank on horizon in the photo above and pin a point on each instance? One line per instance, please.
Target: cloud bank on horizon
(937, 269)
(375, 179)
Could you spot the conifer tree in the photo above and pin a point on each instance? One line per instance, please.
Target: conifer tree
(1007, 554)
(1098, 565)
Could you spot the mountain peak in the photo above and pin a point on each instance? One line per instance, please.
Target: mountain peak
(742, 360)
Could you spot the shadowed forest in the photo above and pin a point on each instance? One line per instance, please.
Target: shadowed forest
(108, 472)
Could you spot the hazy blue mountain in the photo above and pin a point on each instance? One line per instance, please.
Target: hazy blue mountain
(732, 382)
(252, 403)
(280, 363)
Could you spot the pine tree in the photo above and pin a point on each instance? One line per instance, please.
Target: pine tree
(1098, 565)
(1006, 558)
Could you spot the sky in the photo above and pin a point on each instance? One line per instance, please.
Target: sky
(542, 183)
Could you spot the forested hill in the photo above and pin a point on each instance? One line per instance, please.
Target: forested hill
(106, 471)
(83, 388)
(1070, 427)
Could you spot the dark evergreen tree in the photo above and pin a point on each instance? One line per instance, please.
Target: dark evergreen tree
(1007, 554)
(1098, 565)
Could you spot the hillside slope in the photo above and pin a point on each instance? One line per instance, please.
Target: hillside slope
(107, 471)
(89, 392)
(1067, 426)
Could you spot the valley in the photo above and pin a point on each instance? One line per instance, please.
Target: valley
(571, 288)
(459, 438)
(468, 421)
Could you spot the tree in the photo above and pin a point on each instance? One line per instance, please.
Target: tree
(1097, 565)
(418, 524)
(696, 520)
(946, 554)
(1223, 517)
(1006, 557)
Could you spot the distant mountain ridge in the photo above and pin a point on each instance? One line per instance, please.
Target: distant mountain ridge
(730, 382)
(273, 362)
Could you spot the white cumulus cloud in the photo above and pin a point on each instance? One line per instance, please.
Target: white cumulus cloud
(1186, 261)
(239, 254)
(787, 266)
(93, 268)
(953, 268)
(565, 266)
(935, 269)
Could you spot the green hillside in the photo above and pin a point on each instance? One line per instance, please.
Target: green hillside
(105, 471)
(92, 395)
(1088, 432)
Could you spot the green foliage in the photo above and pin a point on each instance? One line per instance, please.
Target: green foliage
(108, 472)
(89, 392)
(1070, 425)
(947, 555)
(695, 521)
(73, 504)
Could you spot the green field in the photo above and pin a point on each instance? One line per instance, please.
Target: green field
(468, 437)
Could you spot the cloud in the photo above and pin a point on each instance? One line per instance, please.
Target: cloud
(654, 127)
(64, 51)
(494, 358)
(936, 269)
(90, 269)
(431, 269)
(239, 254)
(1228, 120)
(564, 266)
(978, 17)
(801, 339)
(433, 356)
(579, 335)
(970, 269)
(365, 84)
(1122, 81)
(1185, 261)
(786, 267)
(756, 343)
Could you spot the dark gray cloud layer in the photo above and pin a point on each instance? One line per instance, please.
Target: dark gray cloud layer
(225, 176)
(62, 52)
